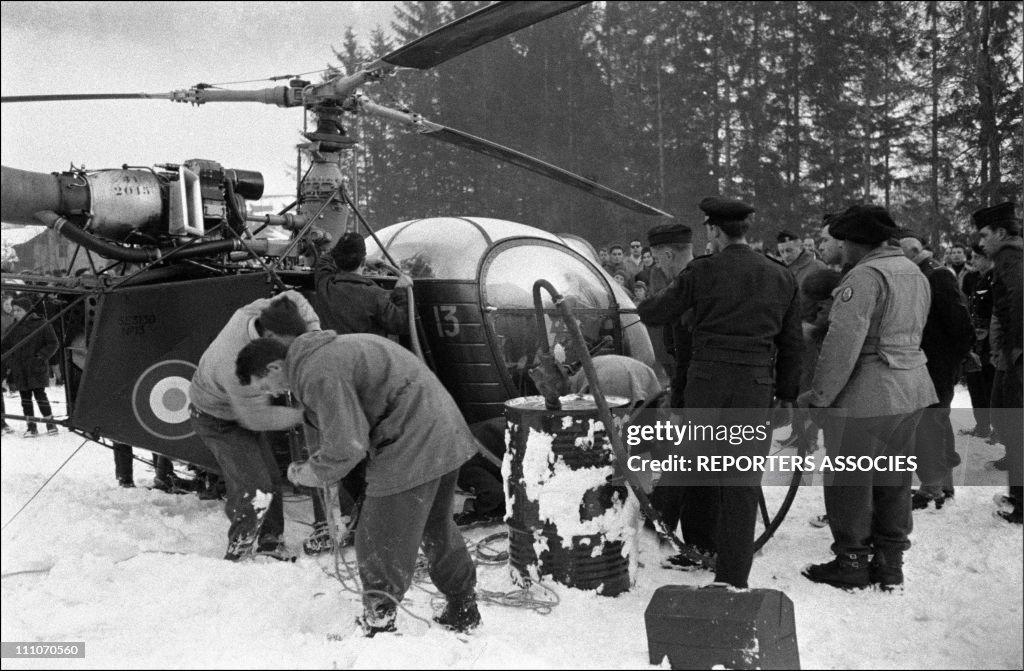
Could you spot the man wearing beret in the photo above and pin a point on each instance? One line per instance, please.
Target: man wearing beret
(872, 376)
(1000, 236)
(947, 339)
(746, 349)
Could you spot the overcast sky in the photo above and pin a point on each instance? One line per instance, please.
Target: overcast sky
(156, 47)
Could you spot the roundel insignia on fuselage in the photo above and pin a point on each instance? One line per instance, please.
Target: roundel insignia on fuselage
(160, 399)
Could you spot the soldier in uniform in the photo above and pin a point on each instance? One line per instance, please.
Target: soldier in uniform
(872, 374)
(999, 232)
(747, 346)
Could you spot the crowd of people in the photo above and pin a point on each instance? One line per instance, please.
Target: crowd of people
(859, 332)
(868, 342)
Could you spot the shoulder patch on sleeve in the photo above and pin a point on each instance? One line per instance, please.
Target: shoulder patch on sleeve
(846, 294)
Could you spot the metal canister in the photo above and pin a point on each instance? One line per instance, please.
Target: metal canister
(568, 519)
(124, 201)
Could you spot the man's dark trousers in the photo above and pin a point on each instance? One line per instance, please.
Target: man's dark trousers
(248, 466)
(727, 511)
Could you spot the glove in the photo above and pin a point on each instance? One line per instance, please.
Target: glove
(300, 474)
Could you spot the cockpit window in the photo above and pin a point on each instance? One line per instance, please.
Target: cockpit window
(443, 248)
(507, 280)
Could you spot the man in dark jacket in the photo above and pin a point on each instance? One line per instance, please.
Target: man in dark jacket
(32, 342)
(349, 302)
(802, 263)
(6, 322)
(747, 346)
(1000, 235)
(977, 286)
(371, 398)
(947, 339)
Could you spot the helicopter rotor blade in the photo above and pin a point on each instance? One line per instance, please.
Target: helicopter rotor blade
(494, 150)
(60, 97)
(471, 31)
(507, 155)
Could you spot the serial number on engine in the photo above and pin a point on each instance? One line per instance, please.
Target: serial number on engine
(43, 649)
(131, 189)
(129, 185)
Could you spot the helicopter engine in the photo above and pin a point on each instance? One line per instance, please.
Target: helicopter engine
(135, 205)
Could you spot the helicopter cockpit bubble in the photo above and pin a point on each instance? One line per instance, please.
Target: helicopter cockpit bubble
(447, 248)
(474, 282)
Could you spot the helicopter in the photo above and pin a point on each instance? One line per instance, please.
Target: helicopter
(172, 250)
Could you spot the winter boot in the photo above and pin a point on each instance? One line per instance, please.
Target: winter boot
(920, 498)
(1005, 502)
(886, 569)
(273, 547)
(819, 521)
(240, 547)
(379, 620)
(460, 614)
(1009, 506)
(690, 558)
(846, 571)
(471, 517)
(998, 465)
(51, 429)
(319, 541)
(1015, 516)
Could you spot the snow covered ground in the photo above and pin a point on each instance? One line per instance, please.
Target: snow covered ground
(137, 574)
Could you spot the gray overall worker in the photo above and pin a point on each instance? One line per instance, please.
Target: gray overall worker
(371, 398)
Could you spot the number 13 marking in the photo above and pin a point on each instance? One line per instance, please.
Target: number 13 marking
(447, 323)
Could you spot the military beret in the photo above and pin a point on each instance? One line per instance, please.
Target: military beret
(352, 244)
(819, 284)
(786, 236)
(868, 224)
(23, 302)
(997, 216)
(669, 234)
(721, 209)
